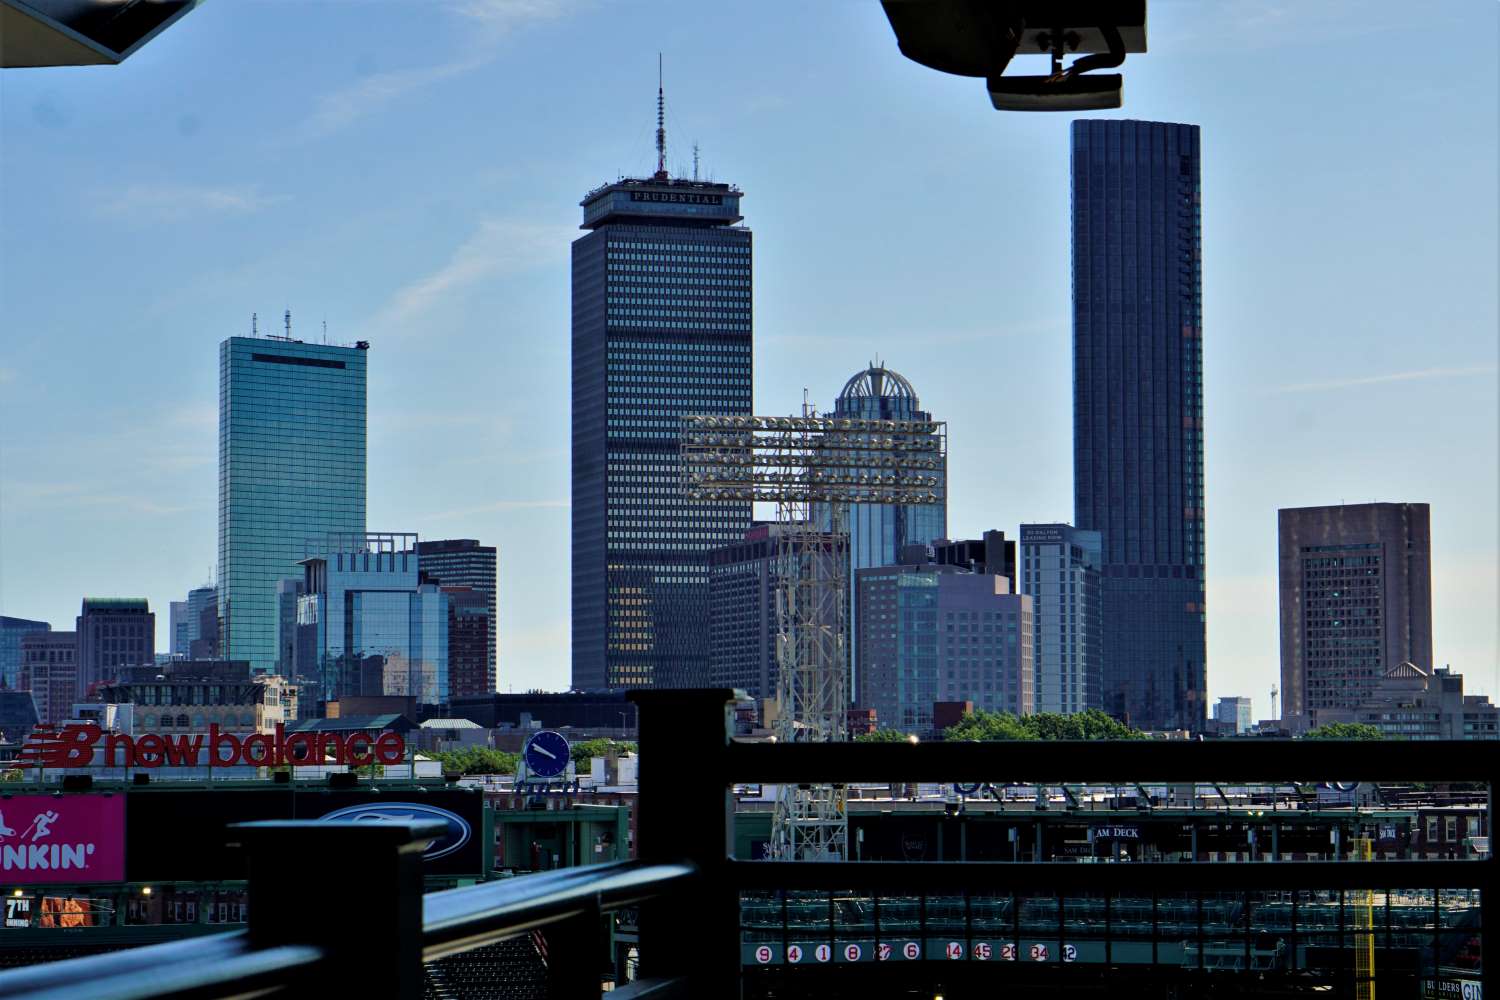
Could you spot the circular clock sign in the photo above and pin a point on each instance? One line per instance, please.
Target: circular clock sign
(547, 754)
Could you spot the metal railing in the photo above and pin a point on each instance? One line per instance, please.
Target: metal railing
(340, 905)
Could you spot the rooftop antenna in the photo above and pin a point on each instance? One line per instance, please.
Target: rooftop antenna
(254, 330)
(1274, 693)
(695, 161)
(288, 320)
(661, 125)
(325, 330)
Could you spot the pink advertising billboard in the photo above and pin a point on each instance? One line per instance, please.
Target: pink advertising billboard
(66, 838)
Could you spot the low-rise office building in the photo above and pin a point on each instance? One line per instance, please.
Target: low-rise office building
(1410, 703)
(931, 633)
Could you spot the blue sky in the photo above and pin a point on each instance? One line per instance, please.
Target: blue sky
(410, 172)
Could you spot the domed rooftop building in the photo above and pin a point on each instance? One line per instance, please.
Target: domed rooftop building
(880, 394)
(877, 531)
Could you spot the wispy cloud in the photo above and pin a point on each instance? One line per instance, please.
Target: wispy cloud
(176, 202)
(340, 108)
(1411, 376)
(76, 495)
(498, 505)
(498, 246)
(7, 375)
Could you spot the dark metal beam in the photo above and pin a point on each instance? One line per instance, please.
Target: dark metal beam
(918, 877)
(1116, 761)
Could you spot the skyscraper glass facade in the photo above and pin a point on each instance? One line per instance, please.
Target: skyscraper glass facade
(661, 328)
(930, 633)
(878, 531)
(1138, 409)
(291, 468)
(11, 630)
(1060, 570)
(378, 630)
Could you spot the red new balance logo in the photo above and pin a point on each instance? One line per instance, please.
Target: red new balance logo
(72, 746)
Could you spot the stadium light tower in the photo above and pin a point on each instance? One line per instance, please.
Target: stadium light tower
(804, 465)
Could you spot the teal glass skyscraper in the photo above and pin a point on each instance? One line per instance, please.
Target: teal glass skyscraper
(661, 328)
(1138, 411)
(291, 470)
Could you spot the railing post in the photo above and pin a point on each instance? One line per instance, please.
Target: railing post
(353, 889)
(685, 812)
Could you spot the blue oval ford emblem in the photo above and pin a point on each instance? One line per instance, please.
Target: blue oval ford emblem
(456, 835)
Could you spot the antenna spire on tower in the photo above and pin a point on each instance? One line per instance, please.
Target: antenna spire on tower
(695, 161)
(661, 125)
(289, 324)
(253, 331)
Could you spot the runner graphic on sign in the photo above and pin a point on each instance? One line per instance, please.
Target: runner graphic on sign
(43, 823)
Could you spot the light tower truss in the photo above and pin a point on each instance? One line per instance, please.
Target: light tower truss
(812, 468)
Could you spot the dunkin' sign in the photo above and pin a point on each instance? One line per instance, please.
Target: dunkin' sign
(62, 838)
(76, 745)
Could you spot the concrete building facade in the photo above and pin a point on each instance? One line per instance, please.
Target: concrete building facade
(1060, 570)
(1355, 597)
(464, 563)
(49, 670)
(113, 633)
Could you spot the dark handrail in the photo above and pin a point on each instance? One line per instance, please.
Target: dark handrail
(214, 965)
(456, 920)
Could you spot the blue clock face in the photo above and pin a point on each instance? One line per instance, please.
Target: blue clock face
(547, 754)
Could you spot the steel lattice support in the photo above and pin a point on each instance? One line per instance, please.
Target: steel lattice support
(803, 463)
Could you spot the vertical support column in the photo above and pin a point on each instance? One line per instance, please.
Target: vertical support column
(1489, 907)
(685, 813)
(368, 877)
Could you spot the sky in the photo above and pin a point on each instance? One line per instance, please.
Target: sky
(409, 174)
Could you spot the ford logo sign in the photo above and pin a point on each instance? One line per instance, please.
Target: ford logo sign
(455, 836)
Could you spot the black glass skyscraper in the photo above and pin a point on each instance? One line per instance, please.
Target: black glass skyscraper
(661, 328)
(1138, 409)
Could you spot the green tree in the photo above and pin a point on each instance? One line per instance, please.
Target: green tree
(883, 736)
(476, 760)
(984, 725)
(1345, 731)
(584, 750)
(1089, 725)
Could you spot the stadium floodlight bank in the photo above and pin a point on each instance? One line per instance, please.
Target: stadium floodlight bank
(813, 468)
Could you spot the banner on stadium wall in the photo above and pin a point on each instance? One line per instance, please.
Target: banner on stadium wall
(182, 835)
(62, 838)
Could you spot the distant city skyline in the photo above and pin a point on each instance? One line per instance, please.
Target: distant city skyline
(1349, 235)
